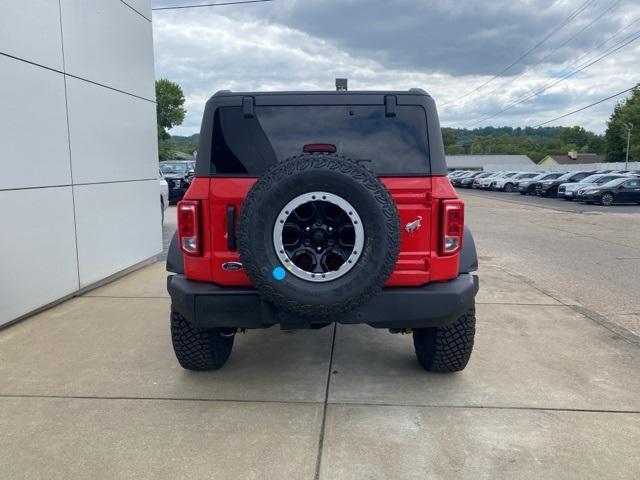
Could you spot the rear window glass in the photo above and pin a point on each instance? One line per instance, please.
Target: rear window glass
(389, 145)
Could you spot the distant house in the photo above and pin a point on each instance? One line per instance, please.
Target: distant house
(489, 162)
(572, 158)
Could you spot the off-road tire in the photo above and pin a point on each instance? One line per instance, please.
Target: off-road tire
(199, 348)
(446, 349)
(337, 175)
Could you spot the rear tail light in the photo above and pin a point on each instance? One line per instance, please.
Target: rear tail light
(189, 227)
(452, 215)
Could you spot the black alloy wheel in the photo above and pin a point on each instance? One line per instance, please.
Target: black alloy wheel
(606, 199)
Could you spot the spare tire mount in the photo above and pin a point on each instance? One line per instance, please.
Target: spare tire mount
(318, 236)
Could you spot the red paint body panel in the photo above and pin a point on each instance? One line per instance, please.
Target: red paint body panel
(413, 200)
(443, 268)
(224, 192)
(199, 268)
(418, 263)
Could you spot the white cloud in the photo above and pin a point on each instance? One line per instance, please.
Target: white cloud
(206, 50)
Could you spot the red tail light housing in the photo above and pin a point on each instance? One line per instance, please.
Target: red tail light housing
(452, 226)
(189, 227)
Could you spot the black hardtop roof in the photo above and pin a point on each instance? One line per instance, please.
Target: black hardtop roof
(412, 91)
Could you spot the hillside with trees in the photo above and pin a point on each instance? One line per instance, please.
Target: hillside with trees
(178, 143)
(536, 143)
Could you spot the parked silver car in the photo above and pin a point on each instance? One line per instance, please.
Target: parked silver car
(509, 183)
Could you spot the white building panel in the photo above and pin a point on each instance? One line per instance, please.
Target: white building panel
(38, 249)
(108, 43)
(118, 225)
(79, 192)
(31, 31)
(142, 6)
(113, 135)
(33, 122)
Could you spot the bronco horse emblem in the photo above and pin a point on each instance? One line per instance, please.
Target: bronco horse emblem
(413, 226)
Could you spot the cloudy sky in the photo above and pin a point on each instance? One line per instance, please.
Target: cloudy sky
(447, 47)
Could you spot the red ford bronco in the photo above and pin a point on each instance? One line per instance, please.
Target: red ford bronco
(309, 208)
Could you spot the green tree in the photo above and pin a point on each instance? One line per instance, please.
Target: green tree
(166, 150)
(627, 111)
(448, 137)
(169, 107)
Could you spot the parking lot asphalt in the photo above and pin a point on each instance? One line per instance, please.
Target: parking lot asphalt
(584, 255)
(559, 204)
(91, 389)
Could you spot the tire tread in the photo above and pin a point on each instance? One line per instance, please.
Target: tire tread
(198, 348)
(300, 163)
(446, 349)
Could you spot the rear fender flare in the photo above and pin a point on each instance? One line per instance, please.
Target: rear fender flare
(175, 259)
(468, 255)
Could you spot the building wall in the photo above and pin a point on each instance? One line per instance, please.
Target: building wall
(548, 162)
(79, 194)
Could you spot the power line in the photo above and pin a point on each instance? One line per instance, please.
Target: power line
(202, 5)
(555, 30)
(575, 62)
(602, 14)
(553, 83)
(587, 106)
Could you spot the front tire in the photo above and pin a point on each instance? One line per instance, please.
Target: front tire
(446, 349)
(199, 348)
(508, 187)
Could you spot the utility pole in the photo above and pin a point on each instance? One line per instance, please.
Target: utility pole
(628, 127)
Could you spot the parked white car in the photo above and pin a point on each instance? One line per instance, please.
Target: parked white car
(486, 182)
(164, 193)
(509, 183)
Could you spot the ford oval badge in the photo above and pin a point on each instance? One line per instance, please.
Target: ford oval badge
(232, 266)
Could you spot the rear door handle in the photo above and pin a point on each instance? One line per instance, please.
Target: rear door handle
(231, 227)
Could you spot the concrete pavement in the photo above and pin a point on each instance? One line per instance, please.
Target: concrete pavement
(90, 389)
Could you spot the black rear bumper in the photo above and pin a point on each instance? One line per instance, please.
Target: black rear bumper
(207, 305)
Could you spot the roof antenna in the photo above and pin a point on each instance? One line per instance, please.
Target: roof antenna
(341, 84)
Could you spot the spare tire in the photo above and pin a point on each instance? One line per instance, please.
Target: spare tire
(318, 235)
